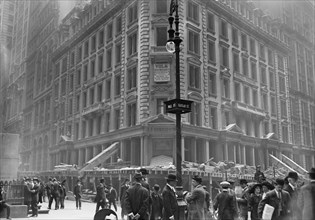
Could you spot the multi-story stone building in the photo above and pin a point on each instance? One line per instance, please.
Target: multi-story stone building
(44, 20)
(111, 75)
(6, 30)
(17, 68)
(295, 23)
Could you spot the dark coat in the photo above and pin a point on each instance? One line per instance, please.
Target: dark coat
(273, 200)
(77, 191)
(137, 201)
(157, 206)
(253, 202)
(169, 203)
(100, 193)
(27, 193)
(226, 206)
(295, 211)
(306, 201)
(62, 191)
(34, 193)
(196, 204)
(112, 194)
(55, 189)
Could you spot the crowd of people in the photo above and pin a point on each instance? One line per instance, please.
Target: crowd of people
(284, 198)
(241, 200)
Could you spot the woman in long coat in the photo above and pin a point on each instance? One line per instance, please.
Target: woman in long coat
(254, 199)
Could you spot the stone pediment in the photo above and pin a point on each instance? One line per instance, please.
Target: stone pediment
(158, 119)
(160, 20)
(271, 136)
(65, 139)
(234, 128)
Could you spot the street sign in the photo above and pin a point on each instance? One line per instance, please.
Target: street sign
(180, 106)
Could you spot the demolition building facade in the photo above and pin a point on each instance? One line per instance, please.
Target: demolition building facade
(107, 74)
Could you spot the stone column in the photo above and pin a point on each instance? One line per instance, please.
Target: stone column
(207, 149)
(142, 151)
(253, 155)
(244, 154)
(80, 157)
(194, 150)
(226, 150)
(183, 148)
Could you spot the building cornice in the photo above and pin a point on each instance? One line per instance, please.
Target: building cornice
(236, 19)
(84, 32)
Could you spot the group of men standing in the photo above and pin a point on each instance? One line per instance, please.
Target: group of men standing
(285, 198)
(139, 202)
(34, 193)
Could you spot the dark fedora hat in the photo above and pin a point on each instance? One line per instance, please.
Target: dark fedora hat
(171, 177)
(197, 179)
(137, 176)
(144, 171)
(243, 181)
(156, 187)
(268, 185)
(293, 175)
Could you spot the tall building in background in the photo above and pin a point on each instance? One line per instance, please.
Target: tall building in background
(44, 19)
(294, 21)
(6, 33)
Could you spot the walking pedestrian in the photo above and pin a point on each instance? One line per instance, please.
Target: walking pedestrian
(242, 200)
(123, 189)
(77, 191)
(306, 198)
(3, 204)
(55, 194)
(63, 193)
(112, 195)
(157, 203)
(169, 198)
(224, 203)
(137, 200)
(100, 198)
(49, 186)
(278, 199)
(197, 200)
(34, 197)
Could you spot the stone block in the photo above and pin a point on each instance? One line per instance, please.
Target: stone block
(17, 211)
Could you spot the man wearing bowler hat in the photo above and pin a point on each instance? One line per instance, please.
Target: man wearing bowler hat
(137, 200)
(306, 198)
(169, 198)
(196, 201)
(291, 188)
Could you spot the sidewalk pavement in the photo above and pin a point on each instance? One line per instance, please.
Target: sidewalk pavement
(69, 212)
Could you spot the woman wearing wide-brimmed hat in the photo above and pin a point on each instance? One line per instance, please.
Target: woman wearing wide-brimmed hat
(253, 201)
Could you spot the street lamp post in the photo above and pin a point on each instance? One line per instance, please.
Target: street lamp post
(177, 106)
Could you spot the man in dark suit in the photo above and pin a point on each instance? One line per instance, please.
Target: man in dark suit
(306, 198)
(123, 189)
(27, 192)
(34, 197)
(63, 193)
(291, 188)
(77, 191)
(100, 198)
(278, 199)
(137, 200)
(55, 194)
(169, 198)
(225, 204)
(112, 195)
